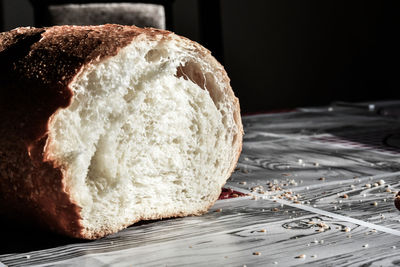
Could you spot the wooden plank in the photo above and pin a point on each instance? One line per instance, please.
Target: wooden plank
(227, 237)
(292, 150)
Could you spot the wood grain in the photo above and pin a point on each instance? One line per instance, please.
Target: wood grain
(293, 150)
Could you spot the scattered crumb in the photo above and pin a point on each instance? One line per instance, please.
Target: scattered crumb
(376, 184)
(316, 164)
(374, 203)
(323, 225)
(28, 256)
(381, 182)
(345, 196)
(275, 209)
(365, 245)
(393, 247)
(301, 256)
(257, 253)
(218, 210)
(368, 185)
(321, 178)
(275, 262)
(263, 230)
(243, 183)
(346, 229)
(234, 195)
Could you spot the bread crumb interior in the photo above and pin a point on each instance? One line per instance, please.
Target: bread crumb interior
(147, 134)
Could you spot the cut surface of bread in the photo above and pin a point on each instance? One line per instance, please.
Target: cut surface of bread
(151, 131)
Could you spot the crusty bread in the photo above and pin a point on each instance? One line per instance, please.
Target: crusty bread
(104, 126)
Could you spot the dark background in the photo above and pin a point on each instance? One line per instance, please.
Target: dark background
(284, 54)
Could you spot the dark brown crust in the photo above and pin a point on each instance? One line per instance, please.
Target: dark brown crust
(36, 68)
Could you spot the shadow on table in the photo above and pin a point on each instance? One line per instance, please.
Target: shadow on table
(20, 238)
(383, 139)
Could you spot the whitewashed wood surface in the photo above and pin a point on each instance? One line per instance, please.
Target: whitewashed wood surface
(351, 148)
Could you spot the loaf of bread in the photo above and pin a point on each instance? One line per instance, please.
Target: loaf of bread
(104, 126)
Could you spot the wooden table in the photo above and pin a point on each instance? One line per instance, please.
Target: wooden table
(338, 170)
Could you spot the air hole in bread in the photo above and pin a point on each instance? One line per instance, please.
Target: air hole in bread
(192, 71)
(154, 55)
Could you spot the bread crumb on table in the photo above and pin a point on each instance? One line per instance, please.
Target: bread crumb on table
(346, 229)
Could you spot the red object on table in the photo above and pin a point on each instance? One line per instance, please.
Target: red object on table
(229, 193)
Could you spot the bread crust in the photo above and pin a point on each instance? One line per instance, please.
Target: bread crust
(37, 67)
